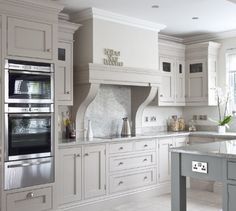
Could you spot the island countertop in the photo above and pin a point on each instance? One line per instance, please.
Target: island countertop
(225, 149)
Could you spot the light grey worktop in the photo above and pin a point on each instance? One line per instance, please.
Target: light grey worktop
(73, 142)
(225, 149)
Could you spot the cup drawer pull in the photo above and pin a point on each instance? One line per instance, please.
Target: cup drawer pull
(145, 145)
(121, 148)
(145, 159)
(121, 183)
(120, 163)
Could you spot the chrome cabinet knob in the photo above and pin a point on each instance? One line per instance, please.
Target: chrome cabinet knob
(145, 145)
(161, 95)
(67, 92)
(145, 177)
(120, 163)
(86, 154)
(30, 195)
(121, 148)
(121, 182)
(48, 50)
(78, 155)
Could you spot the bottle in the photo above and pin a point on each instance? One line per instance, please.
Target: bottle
(89, 131)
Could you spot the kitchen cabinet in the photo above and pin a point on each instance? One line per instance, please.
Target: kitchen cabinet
(27, 38)
(94, 171)
(35, 199)
(172, 70)
(64, 72)
(70, 175)
(201, 73)
(164, 146)
(231, 190)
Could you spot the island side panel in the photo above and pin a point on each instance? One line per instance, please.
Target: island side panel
(178, 184)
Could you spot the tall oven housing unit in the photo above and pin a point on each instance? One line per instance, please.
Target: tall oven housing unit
(29, 124)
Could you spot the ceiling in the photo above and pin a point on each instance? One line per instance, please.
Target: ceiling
(214, 15)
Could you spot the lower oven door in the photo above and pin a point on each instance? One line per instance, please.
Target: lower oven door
(28, 136)
(25, 173)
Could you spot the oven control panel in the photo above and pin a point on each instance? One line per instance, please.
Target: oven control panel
(200, 167)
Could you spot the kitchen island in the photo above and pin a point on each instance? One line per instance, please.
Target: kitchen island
(212, 161)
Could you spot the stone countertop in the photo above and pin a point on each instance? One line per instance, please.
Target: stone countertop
(73, 142)
(225, 149)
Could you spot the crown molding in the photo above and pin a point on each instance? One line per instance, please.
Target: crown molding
(66, 26)
(94, 13)
(209, 37)
(170, 38)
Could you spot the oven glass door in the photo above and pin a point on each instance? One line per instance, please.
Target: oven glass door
(26, 86)
(29, 135)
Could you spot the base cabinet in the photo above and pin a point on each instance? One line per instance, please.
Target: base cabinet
(165, 156)
(70, 175)
(94, 171)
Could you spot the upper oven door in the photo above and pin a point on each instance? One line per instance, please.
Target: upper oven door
(28, 136)
(28, 87)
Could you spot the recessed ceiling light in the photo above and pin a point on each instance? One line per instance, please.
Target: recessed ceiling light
(155, 6)
(195, 18)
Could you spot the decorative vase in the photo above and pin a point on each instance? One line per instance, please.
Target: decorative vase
(89, 131)
(221, 128)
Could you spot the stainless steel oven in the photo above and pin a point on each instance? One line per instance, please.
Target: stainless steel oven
(28, 82)
(28, 131)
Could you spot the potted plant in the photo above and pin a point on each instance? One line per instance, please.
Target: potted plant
(222, 105)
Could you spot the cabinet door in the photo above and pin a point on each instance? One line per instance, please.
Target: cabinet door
(94, 171)
(70, 175)
(29, 39)
(166, 93)
(180, 82)
(165, 159)
(212, 80)
(196, 81)
(231, 197)
(64, 80)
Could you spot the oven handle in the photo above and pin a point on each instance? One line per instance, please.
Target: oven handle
(28, 164)
(30, 115)
(30, 73)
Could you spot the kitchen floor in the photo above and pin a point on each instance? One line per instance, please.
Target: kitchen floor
(197, 201)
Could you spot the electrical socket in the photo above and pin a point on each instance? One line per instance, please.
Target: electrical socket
(194, 117)
(202, 117)
(153, 119)
(146, 119)
(199, 167)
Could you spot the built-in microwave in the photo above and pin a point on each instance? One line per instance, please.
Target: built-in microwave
(29, 131)
(28, 82)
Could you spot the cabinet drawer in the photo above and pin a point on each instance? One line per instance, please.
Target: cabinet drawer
(132, 180)
(37, 200)
(129, 162)
(145, 145)
(231, 170)
(121, 147)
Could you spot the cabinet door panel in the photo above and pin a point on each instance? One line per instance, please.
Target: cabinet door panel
(231, 197)
(70, 175)
(167, 84)
(165, 159)
(94, 171)
(65, 73)
(29, 39)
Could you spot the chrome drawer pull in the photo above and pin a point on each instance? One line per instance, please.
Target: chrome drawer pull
(121, 182)
(121, 148)
(86, 154)
(120, 163)
(30, 195)
(144, 160)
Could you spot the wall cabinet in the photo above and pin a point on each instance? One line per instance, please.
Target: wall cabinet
(70, 175)
(172, 69)
(94, 172)
(164, 146)
(29, 39)
(201, 73)
(64, 72)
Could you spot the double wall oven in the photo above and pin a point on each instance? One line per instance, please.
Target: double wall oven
(29, 124)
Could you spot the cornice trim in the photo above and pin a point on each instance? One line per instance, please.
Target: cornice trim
(116, 18)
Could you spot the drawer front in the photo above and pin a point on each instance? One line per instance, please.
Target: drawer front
(36, 200)
(132, 180)
(121, 148)
(231, 170)
(129, 162)
(145, 145)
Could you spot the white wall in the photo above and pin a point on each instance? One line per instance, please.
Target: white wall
(138, 47)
